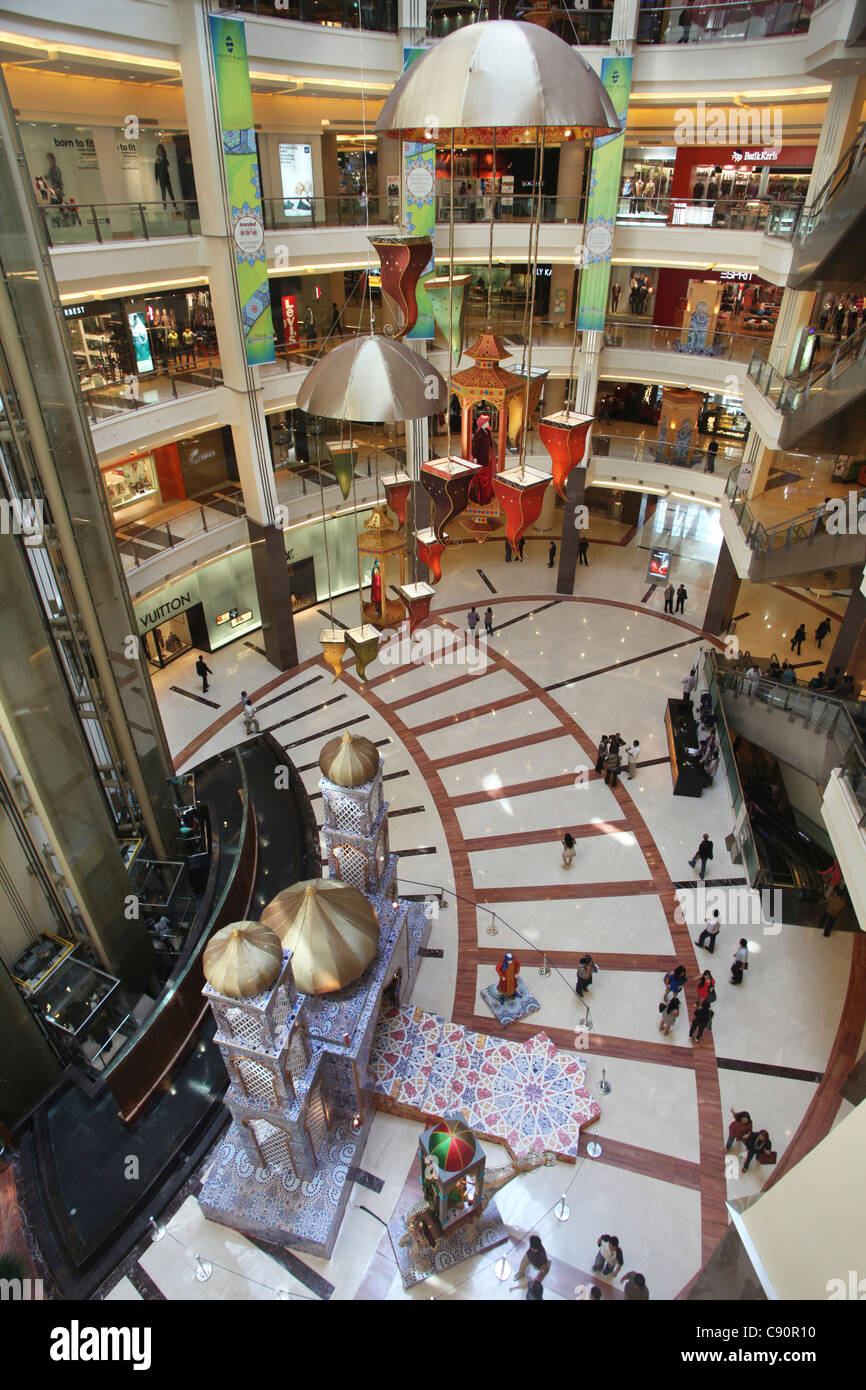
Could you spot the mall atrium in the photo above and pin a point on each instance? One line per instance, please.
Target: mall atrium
(360, 935)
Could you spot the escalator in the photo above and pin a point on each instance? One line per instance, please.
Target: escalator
(828, 245)
(823, 410)
(791, 862)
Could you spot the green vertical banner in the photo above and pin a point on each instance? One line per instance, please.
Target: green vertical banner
(419, 203)
(234, 94)
(607, 152)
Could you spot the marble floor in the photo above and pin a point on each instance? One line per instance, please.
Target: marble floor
(490, 769)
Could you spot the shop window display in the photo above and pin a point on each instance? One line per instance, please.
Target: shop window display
(169, 640)
(126, 483)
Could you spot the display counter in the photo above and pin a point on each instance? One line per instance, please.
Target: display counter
(687, 775)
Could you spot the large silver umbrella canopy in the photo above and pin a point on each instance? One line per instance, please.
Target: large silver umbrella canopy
(499, 76)
(372, 378)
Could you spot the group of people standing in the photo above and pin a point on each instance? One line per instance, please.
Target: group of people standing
(640, 287)
(615, 755)
(681, 596)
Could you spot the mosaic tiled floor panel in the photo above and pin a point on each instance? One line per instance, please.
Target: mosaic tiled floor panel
(528, 1095)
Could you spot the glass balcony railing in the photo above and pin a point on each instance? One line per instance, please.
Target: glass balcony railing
(71, 224)
(709, 23)
(377, 16)
(790, 393)
(170, 384)
(698, 459)
(774, 218)
(802, 527)
(731, 347)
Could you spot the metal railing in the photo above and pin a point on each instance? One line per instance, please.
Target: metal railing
(732, 214)
(824, 713)
(377, 16)
(793, 393)
(71, 224)
(680, 23)
(802, 527)
(338, 210)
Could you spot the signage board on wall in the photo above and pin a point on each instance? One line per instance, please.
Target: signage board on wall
(296, 179)
(234, 97)
(290, 321)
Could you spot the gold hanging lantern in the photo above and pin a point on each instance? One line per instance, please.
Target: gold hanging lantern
(333, 642)
(382, 544)
(364, 642)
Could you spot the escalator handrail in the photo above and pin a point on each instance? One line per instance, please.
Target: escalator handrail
(846, 165)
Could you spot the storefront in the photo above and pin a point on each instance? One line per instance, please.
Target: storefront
(217, 602)
(647, 176)
(726, 186)
(722, 416)
(199, 468)
(748, 304)
(633, 291)
(119, 338)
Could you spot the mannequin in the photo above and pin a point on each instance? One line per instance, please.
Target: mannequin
(508, 970)
(376, 584)
(483, 453)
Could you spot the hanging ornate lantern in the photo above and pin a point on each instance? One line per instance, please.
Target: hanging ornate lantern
(364, 641)
(344, 456)
(521, 493)
(564, 437)
(382, 544)
(333, 641)
(404, 260)
(417, 598)
(448, 293)
(397, 488)
(447, 483)
(517, 404)
(430, 552)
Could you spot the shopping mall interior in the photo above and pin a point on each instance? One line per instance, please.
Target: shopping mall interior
(338, 344)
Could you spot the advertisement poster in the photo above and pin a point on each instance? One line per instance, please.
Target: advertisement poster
(659, 568)
(601, 205)
(140, 342)
(419, 213)
(290, 321)
(296, 179)
(234, 96)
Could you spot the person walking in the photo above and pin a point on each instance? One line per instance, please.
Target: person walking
(609, 1259)
(551, 555)
(739, 1129)
(568, 848)
(704, 852)
(681, 599)
(757, 1144)
(712, 450)
(583, 551)
(336, 326)
(473, 618)
(602, 752)
(488, 622)
(611, 762)
(669, 599)
(702, 1018)
(740, 962)
(635, 1290)
(822, 631)
(585, 971)
(833, 905)
(689, 683)
(710, 931)
(632, 754)
(248, 711)
(535, 1259)
(799, 638)
(203, 670)
(670, 1012)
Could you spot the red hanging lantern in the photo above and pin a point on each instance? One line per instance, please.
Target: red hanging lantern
(417, 598)
(397, 488)
(521, 494)
(404, 260)
(564, 437)
(447, 483)
(430, 552)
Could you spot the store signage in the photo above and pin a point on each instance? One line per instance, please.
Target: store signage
(755, 156)
(603, 201)
(155, 616)
(659, 567)
(290, 321)
(74, 311)
(234, 97)
(735, 274)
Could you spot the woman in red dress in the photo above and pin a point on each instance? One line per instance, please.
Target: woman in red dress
(484, 453)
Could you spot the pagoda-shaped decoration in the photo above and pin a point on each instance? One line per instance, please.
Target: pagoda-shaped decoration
(564, 437)
(355, 829)
(489, 384)
(447, 482)
(381, 546)
(403, 260)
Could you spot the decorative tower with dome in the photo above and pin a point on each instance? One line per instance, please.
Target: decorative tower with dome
(356, 816)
